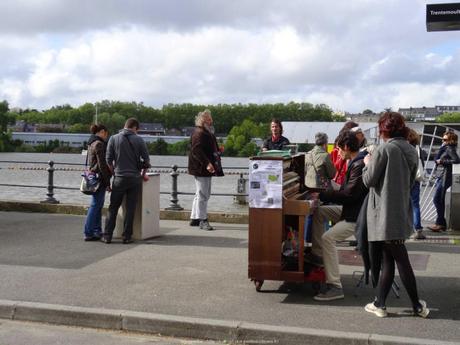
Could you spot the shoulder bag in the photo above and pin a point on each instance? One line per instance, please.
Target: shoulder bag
(139, 163)
(90, 181)
(321, 182)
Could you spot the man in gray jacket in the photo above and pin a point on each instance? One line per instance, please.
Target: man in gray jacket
(319, 169)
(128, 158)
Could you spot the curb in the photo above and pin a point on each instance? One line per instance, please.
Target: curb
(189, 327)
(80, 210)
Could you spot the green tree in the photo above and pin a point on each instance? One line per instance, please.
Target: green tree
(180, 148)
(113, 122)
(159, 147)
(449, 117)
(241, 135)
(78, 128)
(5, 119)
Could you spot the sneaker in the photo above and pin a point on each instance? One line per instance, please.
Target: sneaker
(106, 240)
(380, 312)
(204, 225)
(332, 293)
(194, 222)
(422, 311)
(418, 235)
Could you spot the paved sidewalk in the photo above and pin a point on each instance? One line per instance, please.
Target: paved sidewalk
(197, 274)
(32, 333)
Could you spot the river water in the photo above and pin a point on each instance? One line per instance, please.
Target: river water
(30, 173)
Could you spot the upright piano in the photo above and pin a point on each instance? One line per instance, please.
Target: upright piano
(276, 235)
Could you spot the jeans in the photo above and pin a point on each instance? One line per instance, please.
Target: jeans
(93, 222)
(415, 199)
(439, 201)
(121, 187)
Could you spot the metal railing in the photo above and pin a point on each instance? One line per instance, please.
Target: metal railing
(174, 171)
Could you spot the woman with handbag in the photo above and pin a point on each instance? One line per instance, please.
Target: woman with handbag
(96, 163)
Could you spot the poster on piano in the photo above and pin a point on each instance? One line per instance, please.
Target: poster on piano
(266, 183)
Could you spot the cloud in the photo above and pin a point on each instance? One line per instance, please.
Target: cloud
(349, 55)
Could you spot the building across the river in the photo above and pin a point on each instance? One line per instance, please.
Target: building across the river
(79, 140)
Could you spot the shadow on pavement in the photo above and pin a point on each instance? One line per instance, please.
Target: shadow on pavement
(198, 241)
(441, 293)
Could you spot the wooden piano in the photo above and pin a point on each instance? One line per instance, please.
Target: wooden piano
(271, 228)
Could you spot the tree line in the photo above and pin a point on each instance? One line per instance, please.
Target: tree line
(241, 122)
(114, 113)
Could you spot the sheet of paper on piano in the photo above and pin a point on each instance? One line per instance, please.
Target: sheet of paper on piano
(266, 184)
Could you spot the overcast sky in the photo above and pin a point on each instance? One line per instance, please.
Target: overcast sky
(350, 55)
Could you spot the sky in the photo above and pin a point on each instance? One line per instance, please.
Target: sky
(350, 55)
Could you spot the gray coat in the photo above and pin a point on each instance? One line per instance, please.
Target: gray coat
(389, 176)
(318, 163)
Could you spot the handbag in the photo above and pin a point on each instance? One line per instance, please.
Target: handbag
(90, 181)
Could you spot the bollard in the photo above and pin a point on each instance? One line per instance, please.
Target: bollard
(50, 199)
(174, 206)
(241, 190)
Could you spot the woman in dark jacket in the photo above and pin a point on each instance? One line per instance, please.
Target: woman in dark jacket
(446, 156)
(97, 163)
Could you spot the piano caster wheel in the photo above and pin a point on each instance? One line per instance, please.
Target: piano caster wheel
(258, 284)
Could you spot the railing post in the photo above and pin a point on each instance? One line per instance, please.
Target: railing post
(241, 190)
(50, 199)
(174, 205)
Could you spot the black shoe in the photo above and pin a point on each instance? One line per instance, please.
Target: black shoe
(127, 241)
(106, 240)
(194, 222)
(90, 239)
